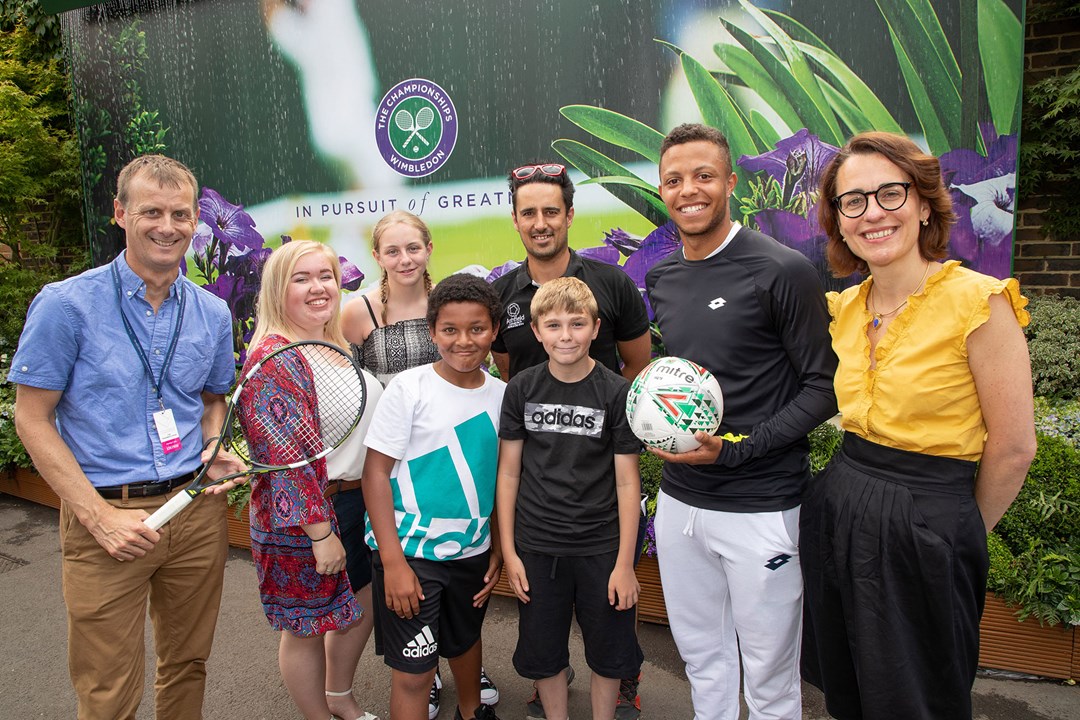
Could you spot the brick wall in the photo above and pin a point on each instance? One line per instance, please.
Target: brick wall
(1045, 263)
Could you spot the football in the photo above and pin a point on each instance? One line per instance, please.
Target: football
(670, 400)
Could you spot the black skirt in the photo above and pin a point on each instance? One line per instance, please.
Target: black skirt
(893, 551)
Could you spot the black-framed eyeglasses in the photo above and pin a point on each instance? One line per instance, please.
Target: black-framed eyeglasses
(527, 171)
(890, 196)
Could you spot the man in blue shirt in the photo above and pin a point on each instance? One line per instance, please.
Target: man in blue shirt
(122, 373)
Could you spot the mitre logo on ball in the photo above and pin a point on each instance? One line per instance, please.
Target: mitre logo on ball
(670, 400)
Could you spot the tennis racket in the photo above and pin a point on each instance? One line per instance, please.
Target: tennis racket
(340, 395)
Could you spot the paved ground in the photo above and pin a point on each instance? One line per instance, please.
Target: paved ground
(244, 681)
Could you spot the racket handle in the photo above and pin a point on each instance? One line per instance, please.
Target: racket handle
(168, 511)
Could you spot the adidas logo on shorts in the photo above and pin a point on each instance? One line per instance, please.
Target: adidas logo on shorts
(422, 645)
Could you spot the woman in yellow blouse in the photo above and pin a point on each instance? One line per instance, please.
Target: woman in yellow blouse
(934, 389)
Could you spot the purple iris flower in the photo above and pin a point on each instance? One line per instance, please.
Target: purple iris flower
(229, 288)
(656, 246)
(984, 198)
(604, 253)
(501, 270)
(230, 224)
(626, 243)
(796, 163)
(351, 276)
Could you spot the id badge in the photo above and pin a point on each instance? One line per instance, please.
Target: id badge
(166, 430)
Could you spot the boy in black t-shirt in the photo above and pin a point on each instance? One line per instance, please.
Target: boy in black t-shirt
(567, 496)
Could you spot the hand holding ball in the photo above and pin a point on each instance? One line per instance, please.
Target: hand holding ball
(670, 400)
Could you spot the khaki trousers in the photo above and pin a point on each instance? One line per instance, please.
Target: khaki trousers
(106, 606)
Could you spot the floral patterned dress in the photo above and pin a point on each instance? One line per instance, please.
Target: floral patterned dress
(294, 596)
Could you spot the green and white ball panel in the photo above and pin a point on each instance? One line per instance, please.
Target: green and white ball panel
(670, 400)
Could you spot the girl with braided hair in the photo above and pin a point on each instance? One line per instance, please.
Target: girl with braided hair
(387, 326)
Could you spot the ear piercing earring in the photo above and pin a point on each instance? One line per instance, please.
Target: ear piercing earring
(925, 222)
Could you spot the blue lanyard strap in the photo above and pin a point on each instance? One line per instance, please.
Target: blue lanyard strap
(156, 383)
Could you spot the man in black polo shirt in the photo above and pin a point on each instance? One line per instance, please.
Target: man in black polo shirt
(543, 210)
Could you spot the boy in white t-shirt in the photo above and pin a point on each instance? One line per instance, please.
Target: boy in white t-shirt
(429, 487)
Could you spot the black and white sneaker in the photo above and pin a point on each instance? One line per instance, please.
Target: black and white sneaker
(433, 697)
(489, 693)
(484, 712)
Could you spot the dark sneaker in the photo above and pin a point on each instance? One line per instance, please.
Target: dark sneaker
(489, 694)
(628, 704)
(484, 712)
(534, 709)
(433, 697)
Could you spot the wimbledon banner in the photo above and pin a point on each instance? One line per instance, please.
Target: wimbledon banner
(314, 118)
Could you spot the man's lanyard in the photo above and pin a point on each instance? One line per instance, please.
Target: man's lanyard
(156, 383)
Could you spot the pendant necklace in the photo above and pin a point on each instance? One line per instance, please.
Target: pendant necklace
(877, 317)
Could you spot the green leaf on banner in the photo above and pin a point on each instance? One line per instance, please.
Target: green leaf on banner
(936, 139)
(800, 70)
(745, 67)
(917, 35)
(717, 108)
(617, 129)
(809, 114)
(595, 164)
(765, 130)
(1001, 48)
(850, 115)
(860, 95)
(798, 32)
(622, 180)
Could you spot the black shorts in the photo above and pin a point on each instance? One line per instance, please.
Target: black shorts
(349, 508)
(447, 625)
(559, 587)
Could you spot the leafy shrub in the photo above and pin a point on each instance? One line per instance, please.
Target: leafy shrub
(1035, 549)
(12, 452)
(1058, 419)
(1054, 345)
(825, 440)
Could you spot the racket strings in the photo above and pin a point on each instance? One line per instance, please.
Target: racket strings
(339, 392)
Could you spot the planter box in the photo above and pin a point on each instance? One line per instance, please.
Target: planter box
(1027, 647)
(239, 528)
(27, 484)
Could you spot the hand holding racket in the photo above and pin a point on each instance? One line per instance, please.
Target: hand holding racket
(298, 440)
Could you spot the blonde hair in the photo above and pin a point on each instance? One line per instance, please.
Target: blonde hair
(567, 294)
(270, 311)
(398, 217)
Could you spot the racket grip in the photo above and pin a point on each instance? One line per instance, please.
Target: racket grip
(168, 511)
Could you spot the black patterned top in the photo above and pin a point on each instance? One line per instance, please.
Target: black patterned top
(390, 349)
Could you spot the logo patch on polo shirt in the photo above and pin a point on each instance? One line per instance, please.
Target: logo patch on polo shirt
(778, 562)
(514, 317)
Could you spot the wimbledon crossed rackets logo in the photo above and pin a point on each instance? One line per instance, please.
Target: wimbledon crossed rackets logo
(416, 127)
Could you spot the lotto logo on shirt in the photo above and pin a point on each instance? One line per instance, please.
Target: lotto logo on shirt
(567, 419)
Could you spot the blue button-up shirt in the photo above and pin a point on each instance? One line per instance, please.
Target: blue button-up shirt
(74, 341)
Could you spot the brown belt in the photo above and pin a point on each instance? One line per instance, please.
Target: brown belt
(340, 486)
(144, 489)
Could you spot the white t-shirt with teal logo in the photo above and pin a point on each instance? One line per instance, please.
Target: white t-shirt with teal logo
(446, 442)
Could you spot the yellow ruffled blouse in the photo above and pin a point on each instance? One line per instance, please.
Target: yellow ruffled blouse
(921, 396)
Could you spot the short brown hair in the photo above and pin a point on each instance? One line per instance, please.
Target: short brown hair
(924, 170)
(693, 132)
(567, 294)
(165, 171)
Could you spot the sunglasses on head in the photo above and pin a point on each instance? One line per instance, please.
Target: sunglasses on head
(527, 171)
